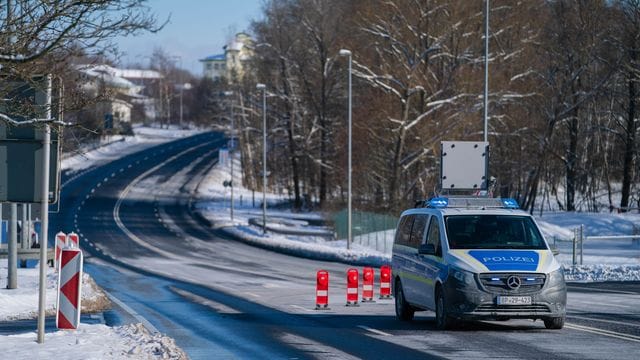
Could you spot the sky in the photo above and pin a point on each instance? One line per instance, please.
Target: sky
(197, 28)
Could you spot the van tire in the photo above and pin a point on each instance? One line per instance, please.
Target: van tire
(404, 311)
(554, 323)
(443, 320)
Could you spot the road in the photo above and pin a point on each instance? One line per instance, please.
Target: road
(221, 298)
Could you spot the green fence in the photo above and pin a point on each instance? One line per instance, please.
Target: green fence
(368, 229)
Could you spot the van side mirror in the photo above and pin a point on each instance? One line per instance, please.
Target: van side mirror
(554, 250)
(427, 249)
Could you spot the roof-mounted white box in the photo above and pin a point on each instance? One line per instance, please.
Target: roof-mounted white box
(464, 165)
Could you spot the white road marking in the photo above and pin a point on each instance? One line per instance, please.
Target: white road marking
(375, 331)
(252, 294)
(121, 170)
(98, 184)
(218, 307)
(300, 308)
(601, 290)
(132, 312)
(271, 286)
(609, 304)
(612, 334)
(604, 320)
(123, 195)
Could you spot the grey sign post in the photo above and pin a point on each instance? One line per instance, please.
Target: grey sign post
(25, 159)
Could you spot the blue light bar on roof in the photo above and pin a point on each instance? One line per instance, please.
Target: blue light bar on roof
(510, 203)
(439, 202)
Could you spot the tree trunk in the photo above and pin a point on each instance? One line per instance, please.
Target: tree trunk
(630, 140)
(571, 163)
(293, 156)
(397, 157)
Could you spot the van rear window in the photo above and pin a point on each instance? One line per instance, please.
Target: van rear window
(493, 232)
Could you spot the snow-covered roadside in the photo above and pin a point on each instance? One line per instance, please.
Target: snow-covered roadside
(92, 342)
(22, 303)
(620, 263)
(214, 205)
(118, 146)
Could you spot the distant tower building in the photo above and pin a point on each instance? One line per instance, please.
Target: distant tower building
(229, 65)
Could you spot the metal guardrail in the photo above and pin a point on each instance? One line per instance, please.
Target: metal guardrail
(579, 239)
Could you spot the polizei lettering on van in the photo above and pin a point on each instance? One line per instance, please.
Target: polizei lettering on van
(507, 260)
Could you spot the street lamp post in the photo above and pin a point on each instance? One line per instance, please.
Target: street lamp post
(231, 151)
(183, 87)
(264, 156)
(486, 72)
(347, 53)
(227, 94)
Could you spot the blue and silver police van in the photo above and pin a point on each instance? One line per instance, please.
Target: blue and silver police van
(475, 259)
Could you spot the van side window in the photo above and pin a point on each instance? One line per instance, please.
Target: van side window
(417, 232)
(404, 230)
(433, 236)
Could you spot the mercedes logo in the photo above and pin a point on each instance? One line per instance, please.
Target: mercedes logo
(513, 282)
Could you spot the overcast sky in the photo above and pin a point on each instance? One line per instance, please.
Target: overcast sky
(197, 28)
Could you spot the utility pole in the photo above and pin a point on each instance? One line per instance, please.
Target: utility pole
(263, 87)
(347, 53)
(44, 209)
(233, 146)
(486, 72)
(24, 238)
(12, 280)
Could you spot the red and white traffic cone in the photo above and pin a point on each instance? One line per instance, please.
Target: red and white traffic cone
(352, 287)
(385, 282)
(69, 289)
(368, 276)
(322, 290)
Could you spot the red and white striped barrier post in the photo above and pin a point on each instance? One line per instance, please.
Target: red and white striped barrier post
(352, 287)
(69, 289)
(61, 242)
(73, 240)
(368, 276)
(385, 282)
(322, 290)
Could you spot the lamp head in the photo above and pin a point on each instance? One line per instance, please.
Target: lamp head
(344, 52)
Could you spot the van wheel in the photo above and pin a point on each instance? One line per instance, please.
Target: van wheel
(554, 323)
(404, 311)
(443, 320)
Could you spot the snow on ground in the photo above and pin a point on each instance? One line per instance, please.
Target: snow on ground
(92, 342)
(114, 147)
(22, 303)
(603, 259)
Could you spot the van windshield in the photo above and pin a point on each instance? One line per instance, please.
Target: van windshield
(493, 232)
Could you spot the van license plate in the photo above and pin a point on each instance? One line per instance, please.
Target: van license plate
(514, 300)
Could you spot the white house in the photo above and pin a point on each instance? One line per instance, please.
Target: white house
(231, 64)
(127, 87)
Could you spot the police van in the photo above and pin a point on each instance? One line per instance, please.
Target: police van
(475, 259)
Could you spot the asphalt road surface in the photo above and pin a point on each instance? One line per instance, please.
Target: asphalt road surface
(221, 298)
